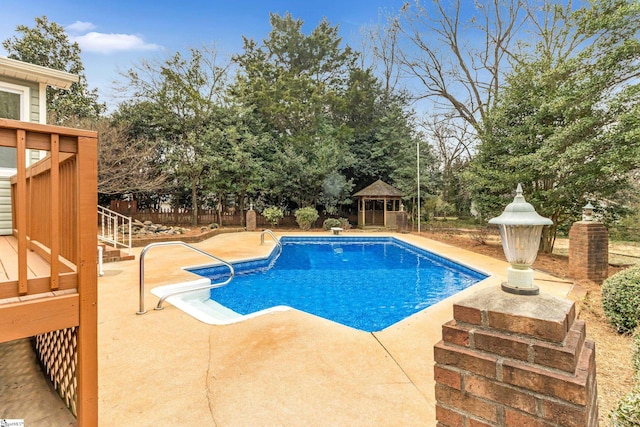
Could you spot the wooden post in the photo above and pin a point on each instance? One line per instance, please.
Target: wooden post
(31, 218)
(384, 210)
(55, 211)
(21, 209)
(373, 212)
(87, 197)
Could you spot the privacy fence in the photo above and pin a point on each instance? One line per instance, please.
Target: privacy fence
(184, 217)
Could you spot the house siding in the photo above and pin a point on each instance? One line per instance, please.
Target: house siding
(6, 226)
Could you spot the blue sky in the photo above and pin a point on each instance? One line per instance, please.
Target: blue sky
(113, 35)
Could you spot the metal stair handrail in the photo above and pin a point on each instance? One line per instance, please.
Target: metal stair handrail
(273, 236)
(111, 228)
(184, 291)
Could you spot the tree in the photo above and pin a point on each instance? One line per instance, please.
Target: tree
(441, 52)
(336, 190)
(453, 56)
(294, 84)
(566, 126)
(182, 100)
(453, 142)
(125, 165)
(238, 167)
(48, 45)
(383, 42)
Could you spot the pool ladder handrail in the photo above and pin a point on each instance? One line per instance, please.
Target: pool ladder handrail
(273, 236)
(177, 242)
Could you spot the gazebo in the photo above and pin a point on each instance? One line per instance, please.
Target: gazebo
(378, 205)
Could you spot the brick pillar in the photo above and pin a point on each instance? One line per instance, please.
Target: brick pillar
(589, 251)
(251, 220)
(514, 360)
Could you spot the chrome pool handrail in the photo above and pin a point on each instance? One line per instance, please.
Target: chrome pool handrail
(273, 236)
(209, 286)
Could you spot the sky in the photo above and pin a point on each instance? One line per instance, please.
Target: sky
(117, 34)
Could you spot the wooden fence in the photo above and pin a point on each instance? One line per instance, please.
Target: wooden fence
(183, 217)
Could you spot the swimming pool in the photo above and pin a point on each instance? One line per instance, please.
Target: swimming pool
(366, 283)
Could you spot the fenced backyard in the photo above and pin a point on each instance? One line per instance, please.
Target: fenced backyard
(183, 217)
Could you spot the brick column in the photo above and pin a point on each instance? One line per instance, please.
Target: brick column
(589, 251)
(514, 360)
(251, 220)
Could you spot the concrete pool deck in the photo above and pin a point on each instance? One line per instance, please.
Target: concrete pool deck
(285, 368)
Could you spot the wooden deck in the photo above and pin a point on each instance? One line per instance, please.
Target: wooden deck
(38, 273)
(57, 307)
(36, 265)
(48, 272)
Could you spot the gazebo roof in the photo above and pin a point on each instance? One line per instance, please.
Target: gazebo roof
(379, 189)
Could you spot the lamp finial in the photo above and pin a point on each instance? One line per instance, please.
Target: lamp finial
(519, 197)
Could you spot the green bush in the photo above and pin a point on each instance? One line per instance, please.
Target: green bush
(329, 223)
(627, 413)
(273, 215)
(635, 353)
(305, 217)
(344, 223)
(621, 299)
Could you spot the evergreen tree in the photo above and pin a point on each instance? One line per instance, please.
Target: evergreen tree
(294, 84)
(566, 126)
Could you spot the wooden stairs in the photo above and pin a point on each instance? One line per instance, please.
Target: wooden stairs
(111, 254)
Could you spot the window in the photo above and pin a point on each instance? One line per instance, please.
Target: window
(13, 105)
(10, 103)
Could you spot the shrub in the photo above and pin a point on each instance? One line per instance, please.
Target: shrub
(635, 353)
(627, 413)
(329, 223)
(344, 223)
(621, 299)
(273, 215)
(305, 217)
(480, 235)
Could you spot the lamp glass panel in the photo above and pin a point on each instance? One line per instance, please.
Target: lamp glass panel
(520, 243)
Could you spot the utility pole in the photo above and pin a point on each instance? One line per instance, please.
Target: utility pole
(418, 174)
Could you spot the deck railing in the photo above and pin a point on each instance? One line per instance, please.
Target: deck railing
(114, 228)
(54, 216)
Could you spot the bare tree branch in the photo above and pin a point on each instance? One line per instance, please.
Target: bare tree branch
(382, 39)
(458, 61)
(124, 165)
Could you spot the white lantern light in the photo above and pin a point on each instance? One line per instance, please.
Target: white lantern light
(587, 212)
(520, 228)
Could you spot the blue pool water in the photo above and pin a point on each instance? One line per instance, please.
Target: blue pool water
(366, 283)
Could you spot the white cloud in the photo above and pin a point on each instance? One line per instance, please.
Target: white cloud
(109, 43)
(80, 27)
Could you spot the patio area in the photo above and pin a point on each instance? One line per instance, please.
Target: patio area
(286, 368)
